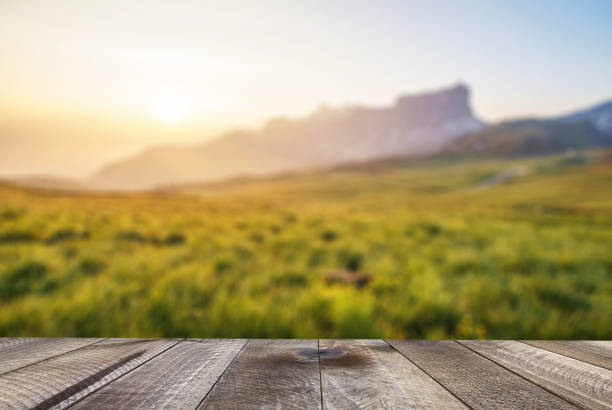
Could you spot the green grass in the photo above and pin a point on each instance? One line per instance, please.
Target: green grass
(529, 258)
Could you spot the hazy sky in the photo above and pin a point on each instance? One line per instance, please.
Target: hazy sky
(114, 76)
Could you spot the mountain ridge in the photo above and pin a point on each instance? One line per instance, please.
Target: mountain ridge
(589, 127)
(437, 123)
(599, 114)
(415, 123)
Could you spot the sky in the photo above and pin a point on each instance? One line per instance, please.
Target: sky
(85, 82)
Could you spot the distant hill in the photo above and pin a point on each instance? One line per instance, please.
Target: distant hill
(413, 124)
(438, 123)
(600, 116)
(588, 128)
(50, 182)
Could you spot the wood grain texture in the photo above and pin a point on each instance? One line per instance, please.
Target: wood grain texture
(11, 341)
(179, 378)
(579, 382)
(480, 383)
(223, 373)
(14, 356)
(270, 374)
(60, 381)
(370, 374)
(595, 352)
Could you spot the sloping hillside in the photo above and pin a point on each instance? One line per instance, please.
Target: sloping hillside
(600, 116)
(414, 124)
(412, 250)
(586, 128)
(530, 137)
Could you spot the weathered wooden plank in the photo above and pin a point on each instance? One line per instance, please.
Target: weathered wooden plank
(179, 378)
(62, 380)
(11, 341)
(595, 352)
(478, 382)
(19, 355)
(581, 383)
(371, 374)
(270, 374)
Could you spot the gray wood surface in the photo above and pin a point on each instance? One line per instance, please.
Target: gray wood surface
(233, 373)
(595, 352)
(14, 356)
(477, 381)
(179, 378)
(371, 374)
(581, 383)
(11, 341)
(270, 374)
(60, 381)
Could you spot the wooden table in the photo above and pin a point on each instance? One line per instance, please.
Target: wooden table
(258, 373)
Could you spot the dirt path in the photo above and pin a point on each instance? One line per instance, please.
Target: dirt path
(503, 176)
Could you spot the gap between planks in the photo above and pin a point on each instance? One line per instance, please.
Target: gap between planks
(519, 375)
(126, 373)
(595, 352)
(430, 376)
(480, 383)
(222, 373)
(64, 379)
(45, 358)
(578, 382)
(525, 375)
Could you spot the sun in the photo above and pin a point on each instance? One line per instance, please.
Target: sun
(171, 110)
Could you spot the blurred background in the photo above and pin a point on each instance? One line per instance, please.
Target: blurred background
(288, 169)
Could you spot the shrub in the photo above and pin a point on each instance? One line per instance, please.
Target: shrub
(17, 236)
(242, 226)
(64, 234)
(21, 279)
(257, 237)
(566, 300)
(90, 266)
(10, 214)
(290, 217)
(350, 260)
(174, 239)
(431, 228)
(291, 279)
(317, 257)
(223, 266)
(131, 236)
(429, 317)
(328, 235)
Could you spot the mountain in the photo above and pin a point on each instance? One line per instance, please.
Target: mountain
(600, 116)
(413, 124)
(589, 128)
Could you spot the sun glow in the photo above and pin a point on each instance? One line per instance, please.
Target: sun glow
(172, 110)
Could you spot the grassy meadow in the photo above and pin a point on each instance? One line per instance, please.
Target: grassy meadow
(397, 249)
